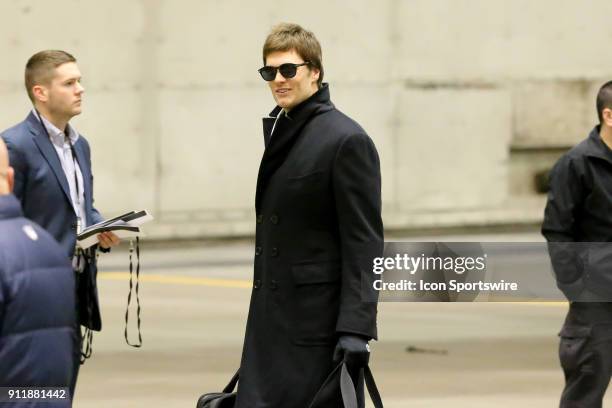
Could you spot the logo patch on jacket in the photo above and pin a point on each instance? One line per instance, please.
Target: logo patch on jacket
(30, 232)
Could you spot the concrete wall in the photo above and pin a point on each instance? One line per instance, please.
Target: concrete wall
(448, 90)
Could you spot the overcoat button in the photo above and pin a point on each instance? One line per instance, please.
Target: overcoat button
(274, 219)
(274, 251)
(273, 284)
(256, 283)
(259, 219)
(258, 251)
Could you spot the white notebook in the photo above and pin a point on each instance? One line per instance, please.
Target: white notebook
(124, 226)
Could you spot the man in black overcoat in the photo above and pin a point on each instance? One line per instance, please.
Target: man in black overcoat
(318, 228)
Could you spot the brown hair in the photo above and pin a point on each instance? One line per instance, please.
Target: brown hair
(287, 37)
(39, 68)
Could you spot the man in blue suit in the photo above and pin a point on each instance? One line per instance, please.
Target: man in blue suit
(52, 164)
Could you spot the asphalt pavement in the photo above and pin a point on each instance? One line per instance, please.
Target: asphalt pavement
(194, 299)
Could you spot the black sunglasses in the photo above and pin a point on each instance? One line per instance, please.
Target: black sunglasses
(287, 70)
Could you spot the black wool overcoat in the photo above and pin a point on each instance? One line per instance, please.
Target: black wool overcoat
(318, 228)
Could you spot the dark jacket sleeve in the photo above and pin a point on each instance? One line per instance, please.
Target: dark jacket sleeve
(357, 192)
(559, 227)
(564, 200)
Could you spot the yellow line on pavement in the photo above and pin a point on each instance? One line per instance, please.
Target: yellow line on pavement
(179, 280)
(540, 303)
(238, 283)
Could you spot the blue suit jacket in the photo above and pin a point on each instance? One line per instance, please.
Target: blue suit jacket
(42, 188)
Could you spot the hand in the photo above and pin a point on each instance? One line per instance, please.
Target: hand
(354, 350)
(108, 240)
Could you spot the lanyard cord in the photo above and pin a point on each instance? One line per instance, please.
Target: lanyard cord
(127, 310)
(86, 344)
(76, 179)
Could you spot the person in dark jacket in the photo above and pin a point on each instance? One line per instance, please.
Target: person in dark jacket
(318, 228)
(37, 303)
(578, 226)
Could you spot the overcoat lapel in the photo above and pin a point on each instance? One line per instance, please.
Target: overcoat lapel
(286, 132)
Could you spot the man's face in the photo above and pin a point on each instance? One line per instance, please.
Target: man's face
(64, 92)
(607, 117)
(290, 92)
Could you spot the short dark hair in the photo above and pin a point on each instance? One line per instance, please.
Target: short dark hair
(604, 99)
(287, 37)
(39, 68)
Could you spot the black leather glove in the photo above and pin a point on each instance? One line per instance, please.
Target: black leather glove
(354, 350)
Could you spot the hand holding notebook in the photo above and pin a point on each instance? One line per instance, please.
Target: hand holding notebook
(124, 226)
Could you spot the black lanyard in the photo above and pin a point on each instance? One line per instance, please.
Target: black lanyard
(74, 158)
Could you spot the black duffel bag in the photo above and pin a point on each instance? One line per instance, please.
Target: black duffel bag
(224, 399)
(227, 398)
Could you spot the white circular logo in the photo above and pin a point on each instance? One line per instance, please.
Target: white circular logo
(30, 232)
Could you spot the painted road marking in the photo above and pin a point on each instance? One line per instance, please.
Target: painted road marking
(238, 283)
(179, 280)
